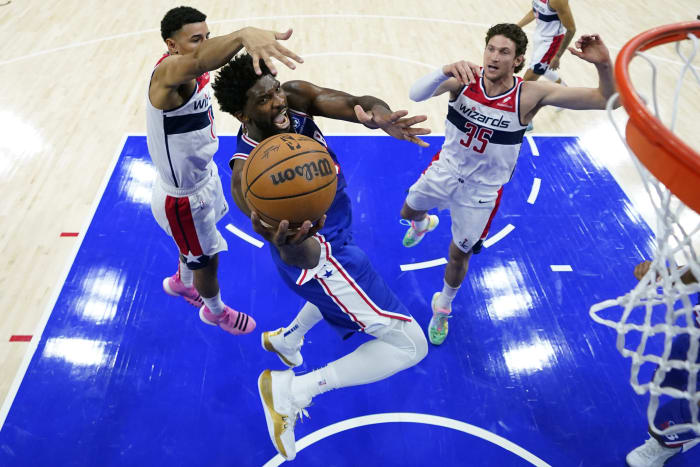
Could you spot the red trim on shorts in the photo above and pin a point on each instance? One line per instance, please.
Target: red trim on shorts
(493, 214)
(363, 295)
(553, 49)
(339, 303)
(182, 226)
(435, 158)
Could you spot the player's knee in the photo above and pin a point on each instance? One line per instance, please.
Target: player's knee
(420, 343)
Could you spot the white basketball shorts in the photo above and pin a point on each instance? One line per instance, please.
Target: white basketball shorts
(543, 51)
(472, 206)
(190, 217)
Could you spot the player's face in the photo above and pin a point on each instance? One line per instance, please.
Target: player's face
(266, 108)
(188, 38)
(499, 58)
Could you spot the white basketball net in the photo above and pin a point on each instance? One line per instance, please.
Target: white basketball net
(660, 307)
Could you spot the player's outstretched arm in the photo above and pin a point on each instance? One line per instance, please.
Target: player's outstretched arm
(451, 77)
(216, 52)
(591, 49)
(527, 19)
(370, 111)
(296, 248)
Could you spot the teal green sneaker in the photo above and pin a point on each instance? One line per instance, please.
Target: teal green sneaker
(438, 327)
(413, 237)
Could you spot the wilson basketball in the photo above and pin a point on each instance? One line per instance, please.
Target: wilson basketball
(289, 176)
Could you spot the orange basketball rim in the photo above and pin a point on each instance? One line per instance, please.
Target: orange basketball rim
(664, 154)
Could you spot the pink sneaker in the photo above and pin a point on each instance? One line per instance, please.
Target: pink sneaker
(174, 286)
(235, 322)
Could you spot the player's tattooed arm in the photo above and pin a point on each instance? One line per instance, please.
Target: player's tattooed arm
(371, 111)
(296, 248)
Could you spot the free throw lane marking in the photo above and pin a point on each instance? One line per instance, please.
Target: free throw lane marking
(408, 417)
(561, 268)
(239, 233)
(535, 190)
(533, 146)
(425, 264)
(499, 236)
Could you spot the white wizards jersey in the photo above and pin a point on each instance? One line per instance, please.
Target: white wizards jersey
(182, 141)
(547, 22)
(483, 134)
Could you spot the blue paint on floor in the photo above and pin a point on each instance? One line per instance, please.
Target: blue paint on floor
(127, 375)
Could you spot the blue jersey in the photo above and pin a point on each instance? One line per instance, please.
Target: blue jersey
(339, 216)
(344, 285)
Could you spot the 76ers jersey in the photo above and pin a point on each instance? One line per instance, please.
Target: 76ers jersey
(547, 22)
(483, 134)
(339, 216)
(182, 141)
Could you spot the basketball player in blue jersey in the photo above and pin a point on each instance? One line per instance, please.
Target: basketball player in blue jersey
(321, 263)
(658, 449)
(188, 199)
(486, 120)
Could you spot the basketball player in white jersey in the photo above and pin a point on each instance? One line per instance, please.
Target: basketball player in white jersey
(188, 199)
(486, 121)
(554, 30)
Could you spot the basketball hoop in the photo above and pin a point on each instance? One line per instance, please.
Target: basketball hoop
(661, 304)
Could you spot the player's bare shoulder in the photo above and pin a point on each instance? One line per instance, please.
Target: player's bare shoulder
(162, 93)
(532, 93)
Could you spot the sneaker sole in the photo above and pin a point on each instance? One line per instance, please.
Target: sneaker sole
(267, 345)
(275, 423)
(167, 289)
(172, 293)
(204, 320)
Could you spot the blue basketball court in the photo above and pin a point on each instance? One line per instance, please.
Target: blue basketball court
(124, 374)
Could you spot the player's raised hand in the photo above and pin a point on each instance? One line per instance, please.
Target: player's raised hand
(590, 47)
(262, 44)
(641, 269)
(394, 124)
(465, 72)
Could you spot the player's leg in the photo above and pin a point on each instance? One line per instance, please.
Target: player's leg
(286, 342)
(472, 210)
(203, 242)
(429, 191)
(657, 449)
(285, 395)
(180, 284)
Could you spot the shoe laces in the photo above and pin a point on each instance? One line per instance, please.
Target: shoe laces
(414, 231)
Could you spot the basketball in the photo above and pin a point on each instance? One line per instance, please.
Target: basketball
(289, 176)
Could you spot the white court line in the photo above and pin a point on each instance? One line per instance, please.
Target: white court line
(535, 190)
(425, 264)
(499, 236)
(408, 417)
(561, 268)
(39, 330)
(533, 146)
(252, 240)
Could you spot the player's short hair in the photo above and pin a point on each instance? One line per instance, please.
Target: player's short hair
(514, 33)
(176, 18)
(233, 81)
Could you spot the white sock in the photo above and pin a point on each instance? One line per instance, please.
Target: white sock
(444, 300)
(186, 274)
(306, 387)
(422, 224)
(214, 303)
(551, 75)
(307, 318)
